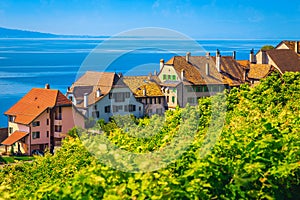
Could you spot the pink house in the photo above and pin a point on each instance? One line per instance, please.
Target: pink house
(40, 120)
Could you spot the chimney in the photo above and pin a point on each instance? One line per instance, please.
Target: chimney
(144, 91)
(187, 57)
(234, 55)
(207, 55)
(47, 86)
(161, 64)
(182, 74)
(251, 58)
(85, 100)
(98, 93)
(155, 73)
(120, 75)
(207, 69)
(218, 60)
(296, 46)
(149, 76)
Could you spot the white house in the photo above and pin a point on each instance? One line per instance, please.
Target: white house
(101, 95)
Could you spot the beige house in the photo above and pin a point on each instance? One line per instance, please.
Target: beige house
(147, 91)
(186, 79)
(282, 60)
(292, 45)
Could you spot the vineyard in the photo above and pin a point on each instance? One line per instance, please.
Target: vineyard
(243, 144)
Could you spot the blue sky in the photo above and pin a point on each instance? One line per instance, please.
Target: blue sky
(267, 19)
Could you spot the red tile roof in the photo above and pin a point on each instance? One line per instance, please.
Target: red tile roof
(34, 103)
(13, 138)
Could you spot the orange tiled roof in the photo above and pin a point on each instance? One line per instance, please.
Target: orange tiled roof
(13, 138)
(259, 71)
(138, 83)
(34, 103)
(244, 63)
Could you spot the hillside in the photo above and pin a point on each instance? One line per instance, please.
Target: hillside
(14, 33)
(255, 156)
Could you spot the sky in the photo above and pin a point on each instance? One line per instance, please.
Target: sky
(217, 19)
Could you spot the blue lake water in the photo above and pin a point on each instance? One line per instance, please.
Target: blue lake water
(28, 63)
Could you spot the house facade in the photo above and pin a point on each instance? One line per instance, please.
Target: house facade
(147, 91)
(186, 79)
(101, 95)
(40, 120)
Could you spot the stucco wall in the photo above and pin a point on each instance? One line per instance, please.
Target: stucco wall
(105, 101)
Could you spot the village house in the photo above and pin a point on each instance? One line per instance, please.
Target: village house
(284, 58)
(101, 95)
(292, 45)
(186, 79)
(147, 90)
(40, 120)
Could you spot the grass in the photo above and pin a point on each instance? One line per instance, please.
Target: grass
(13, 159)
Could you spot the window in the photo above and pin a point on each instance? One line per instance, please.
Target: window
(119, 97)
(35, 135)
(71, 98)
(191, 100)
(58, 128)
(150, 111)
(164, 77)
(110, 95)
(95, 114)
(117, 108)
(173, 99)
(47, 122)
(126, 109)
(159, 100)
(204, 88)
(127, 94)
(131, 108)
(174, 77)
(58, 114)
(197, 89)
(47, 134)
(107, 109)
(167, 98)
(169, 77)
(10, 130)
(11, 118)
(174, 90)
(140, 108)
(36, 123)
(95, 107)
(150, 100)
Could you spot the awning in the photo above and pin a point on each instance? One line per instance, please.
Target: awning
(13, 138)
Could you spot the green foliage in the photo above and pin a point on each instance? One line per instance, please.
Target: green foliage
(256, 156)
(267, 47)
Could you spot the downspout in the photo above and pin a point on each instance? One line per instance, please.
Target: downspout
(29, 146)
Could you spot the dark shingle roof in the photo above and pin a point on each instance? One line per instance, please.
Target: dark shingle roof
(285, 59)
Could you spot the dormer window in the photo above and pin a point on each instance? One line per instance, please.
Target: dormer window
(11, 118)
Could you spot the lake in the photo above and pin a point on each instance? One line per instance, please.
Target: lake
(27, 63)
